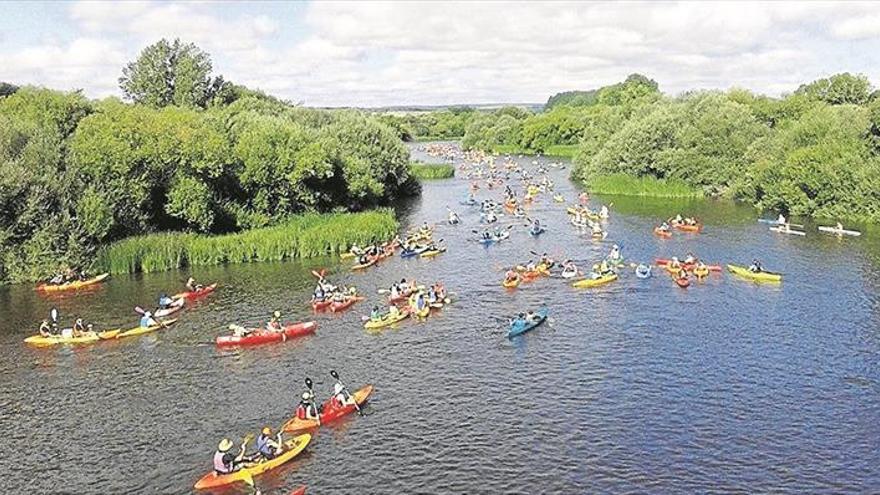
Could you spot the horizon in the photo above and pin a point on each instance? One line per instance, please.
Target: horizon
(377, 55)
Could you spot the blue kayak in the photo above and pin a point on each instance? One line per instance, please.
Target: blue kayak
(415, 252)
(521, 327)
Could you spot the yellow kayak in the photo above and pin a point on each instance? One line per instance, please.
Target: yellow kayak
(76, 284)
(292, 448)
(142, 330)
(87, 338)
(432, 253)
(385, 321)
(559, 198)
(757, 276)
(595, 282)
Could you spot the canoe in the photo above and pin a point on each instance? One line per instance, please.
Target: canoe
(662, 233)
(682, 282)
(840, 232)
(688, 228)
(757, 276)
(783, 230)
(385, 321)
(519, 328)
(292, 448)
(510, 284)
(90, 338)
(322, 304)
(432, 253)
(340, 305)
(76, 284)
(263, 336)
(143, 330)
(686, 266)
(594, 282)
(174, 307)
(329, 413)
(192, 294)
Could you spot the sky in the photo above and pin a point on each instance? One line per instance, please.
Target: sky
(370, 54)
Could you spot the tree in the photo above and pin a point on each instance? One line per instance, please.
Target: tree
(170, 73)
(839, 89)
(7, 89)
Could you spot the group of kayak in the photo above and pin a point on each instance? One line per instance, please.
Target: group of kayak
(684, 224)
(783, 226)
(51, 333)
(583, 218)
(271, 449)
(407, 299)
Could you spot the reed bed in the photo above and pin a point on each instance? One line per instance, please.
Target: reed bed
(431, 171)
(302, 236)
(626, 185)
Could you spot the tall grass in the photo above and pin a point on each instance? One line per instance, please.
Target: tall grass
(557, 150)
(430, 171)
(302, 236)
(626, 185)
(562, 150)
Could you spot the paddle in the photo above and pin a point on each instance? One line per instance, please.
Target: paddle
(335, 375)
(312, 392)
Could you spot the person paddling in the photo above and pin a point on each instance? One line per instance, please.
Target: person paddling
(45, 329)
(269, 446)
(192, 286)
(375, 314)
(453, 218)
(225, 461)
(164, 301)
(306, 408)
(756, 267)
(147, 320)
(274, 323)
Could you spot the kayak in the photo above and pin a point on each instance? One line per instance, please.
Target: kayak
(263, 336)
(757, 276)
(662, 233)
(783, 230)
(432, 253)
(511, 284)
(299, 491)
(594, 282)
(559, 198)
(88, 338)
(840, 232)
(192, 294)
(174, 307)
(686, 266)
(569, 273)
(340, 305)
(365, 265)
(322, 304)
(385, 321)
(536, 232)
(424, 311)
(769, 221)
(402, 296)
(76, 284)
(408, 253)
(599, 235)
(292, 448)
(682, 282)
(142, 330)
(494, 239)
(688, 228)
(329, 413)
(643, 271)
(521, 327)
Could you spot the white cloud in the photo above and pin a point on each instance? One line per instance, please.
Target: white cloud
(378, 53)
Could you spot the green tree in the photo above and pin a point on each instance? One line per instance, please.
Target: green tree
(170, 73)
(839, 89)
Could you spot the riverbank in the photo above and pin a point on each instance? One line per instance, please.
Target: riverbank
(301, 236)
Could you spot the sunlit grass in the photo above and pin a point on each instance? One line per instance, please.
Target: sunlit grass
(431, 171)
(303, 236)
(625, 185)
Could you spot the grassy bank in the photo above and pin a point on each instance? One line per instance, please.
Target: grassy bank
(426, 139)
(430, 171)
(626, 185)
(558, 150)
(302, 236)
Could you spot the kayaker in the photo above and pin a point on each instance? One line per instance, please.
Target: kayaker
(839, 227)
(678, 219)
(341, 397)
(781, 219)
(583, 198)
(393, 312)
(519, 320)
(45, 329)
(319, 293)
(453, 218)
(147, 320)
(690, 259)
(79, 327)
(364, 259)
(674, 263)
(531, 317)
(192, 286)
(432, 295)
(614, 254)
(605, 268)
(547, 261)
(268, 446)
(375, 314)
(440, 290)
(274, 323)
(487, 236)
(306, 408)
(239, 331)
(603, 212)
(664, 227)
(682, 273)
(596, 228)
(226, 462)
(426, 229)
(756, 267)
(165, 301)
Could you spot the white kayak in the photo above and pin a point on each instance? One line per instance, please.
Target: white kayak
(783, 230)
(836, 231)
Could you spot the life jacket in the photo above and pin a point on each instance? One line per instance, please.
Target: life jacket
(263, 445)
(301, 411)
(145, 321)
(219, 465)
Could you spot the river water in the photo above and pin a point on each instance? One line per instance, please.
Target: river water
(638, 386)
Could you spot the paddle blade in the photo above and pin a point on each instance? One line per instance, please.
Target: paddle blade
(139, 310)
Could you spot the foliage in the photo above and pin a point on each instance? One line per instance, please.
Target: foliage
(7, 89)
(301, 236)
(839, 89)
(429, 171)
(440, 125)
(170, 73)
(572, 99)
(628, 185)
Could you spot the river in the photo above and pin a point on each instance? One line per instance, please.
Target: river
(638, 386)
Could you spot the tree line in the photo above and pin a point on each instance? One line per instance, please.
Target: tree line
(188, 152)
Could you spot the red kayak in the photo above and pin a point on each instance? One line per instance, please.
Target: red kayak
(687, 266)
(683, 282)
(263, 336)
(321, 305)
(192, 294)
(339, 306)
(330, 412)
(299, 491)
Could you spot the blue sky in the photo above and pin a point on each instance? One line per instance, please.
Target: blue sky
(385, 53)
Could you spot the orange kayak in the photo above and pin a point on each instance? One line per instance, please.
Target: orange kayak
(329, 413)
(76, 284)
(292, 448)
